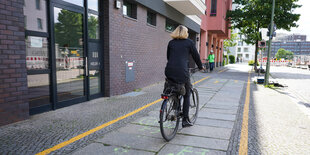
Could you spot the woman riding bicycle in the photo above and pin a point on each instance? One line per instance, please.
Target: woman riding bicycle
(178, 53)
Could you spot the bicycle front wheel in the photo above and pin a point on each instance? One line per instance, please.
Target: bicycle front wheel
(194, 106)
(168, 118)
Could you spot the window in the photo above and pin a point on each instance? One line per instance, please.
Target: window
(170, 25)
(247, 56)
(246, 50)
(76, 2)
(151, 18)
(38, 4)
(213, 7)
(239, 49)
(37, 53)
(93, 4)
(34, 18)
(93, 26)
(39, 22)
(130, 10)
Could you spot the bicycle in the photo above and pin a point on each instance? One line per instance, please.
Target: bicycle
(171, 108)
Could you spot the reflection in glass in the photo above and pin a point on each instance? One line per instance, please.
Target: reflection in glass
(77, 2)
(93, 4)
(93, 26)
(94, 67)
(36, 53)
(94, 81)
(38, 90)
(69, 54)
(35, 16)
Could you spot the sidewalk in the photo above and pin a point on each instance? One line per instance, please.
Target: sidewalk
(210, 135)
(220, 96)
(278, 126)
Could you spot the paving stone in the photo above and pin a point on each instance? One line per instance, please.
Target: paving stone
(208, 143)
(215, 123)
(218, 116)
(98, 148)
(234, 103)
(222, 111)
(171, 149)
(141, 130)
(206, 131)
(215, 106)
(154, 113)
(132, 141)
(148, 120)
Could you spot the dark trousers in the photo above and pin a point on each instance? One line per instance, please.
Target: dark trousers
(186, 97)
(211, 66)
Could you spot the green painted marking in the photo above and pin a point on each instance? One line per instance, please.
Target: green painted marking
(204, 151)
(185, 150)
(120, 150)
(190, 150)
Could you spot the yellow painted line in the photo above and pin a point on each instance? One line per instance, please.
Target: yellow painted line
(236, 81)
(215, 82)
(201, 80)
(63, 144)
(243, 147)
(72, 140)
(222, 70)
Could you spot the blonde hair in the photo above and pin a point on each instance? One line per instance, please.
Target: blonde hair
(181, 32)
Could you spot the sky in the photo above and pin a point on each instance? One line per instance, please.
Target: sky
(304, 20)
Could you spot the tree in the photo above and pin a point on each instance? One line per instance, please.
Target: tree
(93, 27)
(282, 53)
(69, 29)
(252, 15)
(230, 42)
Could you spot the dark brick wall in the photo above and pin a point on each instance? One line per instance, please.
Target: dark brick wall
(135, 40)
(13, 75)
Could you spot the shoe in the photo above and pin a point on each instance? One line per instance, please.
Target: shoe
(186, 123)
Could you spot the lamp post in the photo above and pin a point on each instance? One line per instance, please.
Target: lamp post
(266, 81)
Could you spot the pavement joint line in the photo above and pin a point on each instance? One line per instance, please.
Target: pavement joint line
(129, 148)
(215, 119)
(184, 134)
(243, 147)
(198, 147)
(217, 90)
(78, 137)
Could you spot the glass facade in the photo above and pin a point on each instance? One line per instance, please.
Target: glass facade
(61, 71)
(298, 48)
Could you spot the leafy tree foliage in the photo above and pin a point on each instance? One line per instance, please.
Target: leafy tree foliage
(282, 53)
(93, 27)
(69, 29)
(230, 42)
(252, 15)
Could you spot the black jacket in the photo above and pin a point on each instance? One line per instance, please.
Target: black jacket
(178, 54)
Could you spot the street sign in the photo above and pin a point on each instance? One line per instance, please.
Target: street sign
(262, 44)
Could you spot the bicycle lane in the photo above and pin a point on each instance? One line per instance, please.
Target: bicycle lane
(219, 100)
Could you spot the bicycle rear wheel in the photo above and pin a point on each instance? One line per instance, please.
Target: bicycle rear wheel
(194, 106)
(168, 118)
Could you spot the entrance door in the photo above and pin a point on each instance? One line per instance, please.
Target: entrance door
(70, 54)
